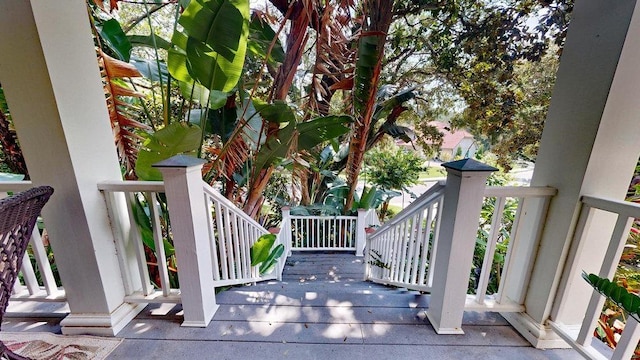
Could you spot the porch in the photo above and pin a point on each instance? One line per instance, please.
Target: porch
(321, 309)
(587, 152)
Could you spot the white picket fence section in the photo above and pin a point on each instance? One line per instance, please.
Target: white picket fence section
(399, 252)
(311, 233)
(28, 288)
(580, 338)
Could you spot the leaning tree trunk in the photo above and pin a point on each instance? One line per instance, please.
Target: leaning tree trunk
(300, 20)
(11, 149)
(365, 86)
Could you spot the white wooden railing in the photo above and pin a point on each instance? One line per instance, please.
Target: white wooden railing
(498, 301)
(310, 233)
(405, 251)
(28, 288)
(231, 235)
(580, 338)
(399, 252)
(138, 284)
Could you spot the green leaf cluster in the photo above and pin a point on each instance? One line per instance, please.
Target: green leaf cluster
(212, 47)
(263, 253)
(177, 138)
(616, 293)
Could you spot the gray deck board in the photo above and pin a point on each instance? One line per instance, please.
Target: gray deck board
(322, 310)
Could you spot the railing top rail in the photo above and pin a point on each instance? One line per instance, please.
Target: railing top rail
(625, 208)
(430, 196)
(231, 206)
(131, 186)
(15, 185)
(520, 191)
(315, 217)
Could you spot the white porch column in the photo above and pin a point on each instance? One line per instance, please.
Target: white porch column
(589, 146)
(50, 76)
(463, 196)
(188, 214)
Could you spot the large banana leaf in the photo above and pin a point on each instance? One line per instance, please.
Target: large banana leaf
(368, 58)
(276, 148)
(260, 38)
(321, 129)
(112, 34)
(154, 42)
(277, 112)
(399, 132)
(150, 70)
(309, 134)
(174, 139)
(213, 45)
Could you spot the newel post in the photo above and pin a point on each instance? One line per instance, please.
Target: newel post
(361, 234)
(463, 196)
(187, 212)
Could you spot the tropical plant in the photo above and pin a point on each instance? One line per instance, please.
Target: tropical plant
(392, 169)
(265, 254)
(10, 152)
(504, 224)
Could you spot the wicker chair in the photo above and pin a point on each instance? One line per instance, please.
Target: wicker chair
(18, 216)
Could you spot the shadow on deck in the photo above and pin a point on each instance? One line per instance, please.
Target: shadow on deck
(321, 310)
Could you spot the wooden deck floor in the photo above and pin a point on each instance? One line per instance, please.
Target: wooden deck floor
(322, 310)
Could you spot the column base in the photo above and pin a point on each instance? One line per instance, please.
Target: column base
(540, 336)
(101, 324)
(202, 323)
(443, 330)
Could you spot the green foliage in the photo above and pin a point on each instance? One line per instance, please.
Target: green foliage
(616, 293)
(211, 49)
(112, 34)
(485, 66)
(260, 38)
(261, 249)
(177, 138)
(482, 237)
(394, 169)
(263, 253)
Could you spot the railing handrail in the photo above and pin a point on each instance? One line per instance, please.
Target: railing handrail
(131, 186)
(6, 186)
(231, 206)
(621, 207)
(429, 196)
(324, 217)
(520, 191)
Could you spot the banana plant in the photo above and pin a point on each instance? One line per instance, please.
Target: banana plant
(264, 254)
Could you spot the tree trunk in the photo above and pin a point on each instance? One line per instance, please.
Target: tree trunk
(379, 13)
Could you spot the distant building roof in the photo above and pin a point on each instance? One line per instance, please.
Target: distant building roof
(450, 139)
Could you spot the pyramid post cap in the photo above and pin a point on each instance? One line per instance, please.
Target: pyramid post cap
(179, 161)
(468, 164)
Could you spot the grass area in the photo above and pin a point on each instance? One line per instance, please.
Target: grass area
(436, 171)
